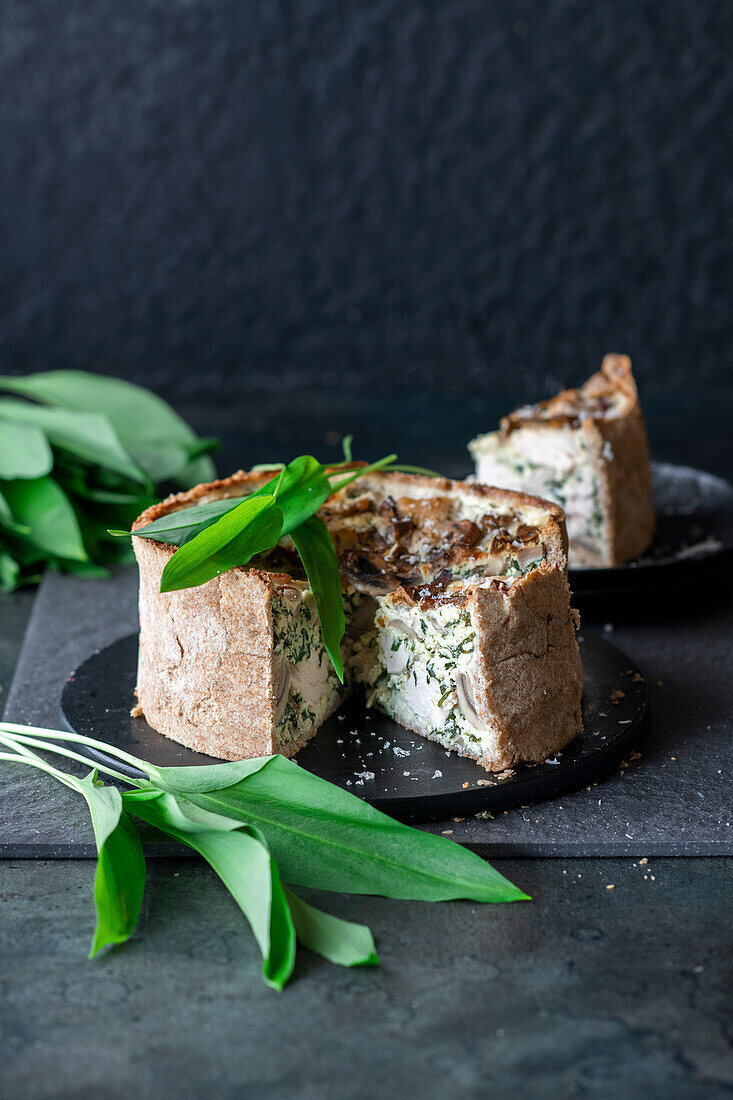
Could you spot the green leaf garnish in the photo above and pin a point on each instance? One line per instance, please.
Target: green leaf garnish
(318, 555)
(216, 536)
(253, 821)
(253, 526)
(325, 837)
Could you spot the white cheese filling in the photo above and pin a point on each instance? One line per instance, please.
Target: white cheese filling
(552, 463)
(418, 668)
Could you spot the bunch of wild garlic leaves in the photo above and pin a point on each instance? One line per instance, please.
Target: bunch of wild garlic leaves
(80, 453)
(259, 824)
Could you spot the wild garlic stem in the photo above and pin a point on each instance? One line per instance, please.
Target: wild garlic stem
(34, 761)
(79, 739)
(360, 473)
(17, 740)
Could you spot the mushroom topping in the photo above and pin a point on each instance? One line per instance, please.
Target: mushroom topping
(368, 572)
(525, 532)
(464, 691)
(462, 533)
(280, 689)
(435, 590)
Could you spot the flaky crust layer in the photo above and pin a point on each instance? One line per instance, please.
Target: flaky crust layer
(625, 481)
(528, 677)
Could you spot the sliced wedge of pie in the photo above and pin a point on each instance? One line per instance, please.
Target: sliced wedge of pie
(586, 449)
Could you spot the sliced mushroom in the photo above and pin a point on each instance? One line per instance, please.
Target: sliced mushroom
(290, 592)
(369, 573)
(310, 676)
(403, 628)
(464, 691)
(394, 660)
(528, 555)
(363, 619)
(280, 689)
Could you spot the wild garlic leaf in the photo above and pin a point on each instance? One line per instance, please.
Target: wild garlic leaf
(24, 450)
(9, 572)
(158, 439)
(302, 489)
(180, 527)
(340, 941)
(208, 777)
(322, 836)
(41, 505)
(85, 435)
(239, 857)
(120, 877)
(318, 555)
(7, 519)
(253, 526)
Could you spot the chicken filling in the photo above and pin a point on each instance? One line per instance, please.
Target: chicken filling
(553, 464)
(409, 639)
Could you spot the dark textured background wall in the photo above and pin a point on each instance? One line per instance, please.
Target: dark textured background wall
(406, 193)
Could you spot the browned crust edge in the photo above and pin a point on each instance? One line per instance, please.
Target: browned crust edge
(625, 482)
(553, 532)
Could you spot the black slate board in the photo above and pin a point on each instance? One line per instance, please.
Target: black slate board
(694, 536)
(675, 799)
(361, 750)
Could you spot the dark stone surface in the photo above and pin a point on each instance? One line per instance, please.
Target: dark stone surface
(15, 611)
(459, 196)
(675, 799)
(583, 992)
(400, 773)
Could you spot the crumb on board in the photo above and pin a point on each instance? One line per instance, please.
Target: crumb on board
(137, 711)
(610, 886)
(465, 786)
(616, 696)
(483, 783)
(484, 815)
(459, 819)
(447, 832)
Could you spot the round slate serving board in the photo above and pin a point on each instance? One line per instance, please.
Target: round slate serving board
(402, 774)
(694, 535)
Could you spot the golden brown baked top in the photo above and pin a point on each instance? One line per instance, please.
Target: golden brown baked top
(426, 536)
(607, 394)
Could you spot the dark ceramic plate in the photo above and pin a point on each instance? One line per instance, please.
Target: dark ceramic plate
(694, 535)
(398, 772)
